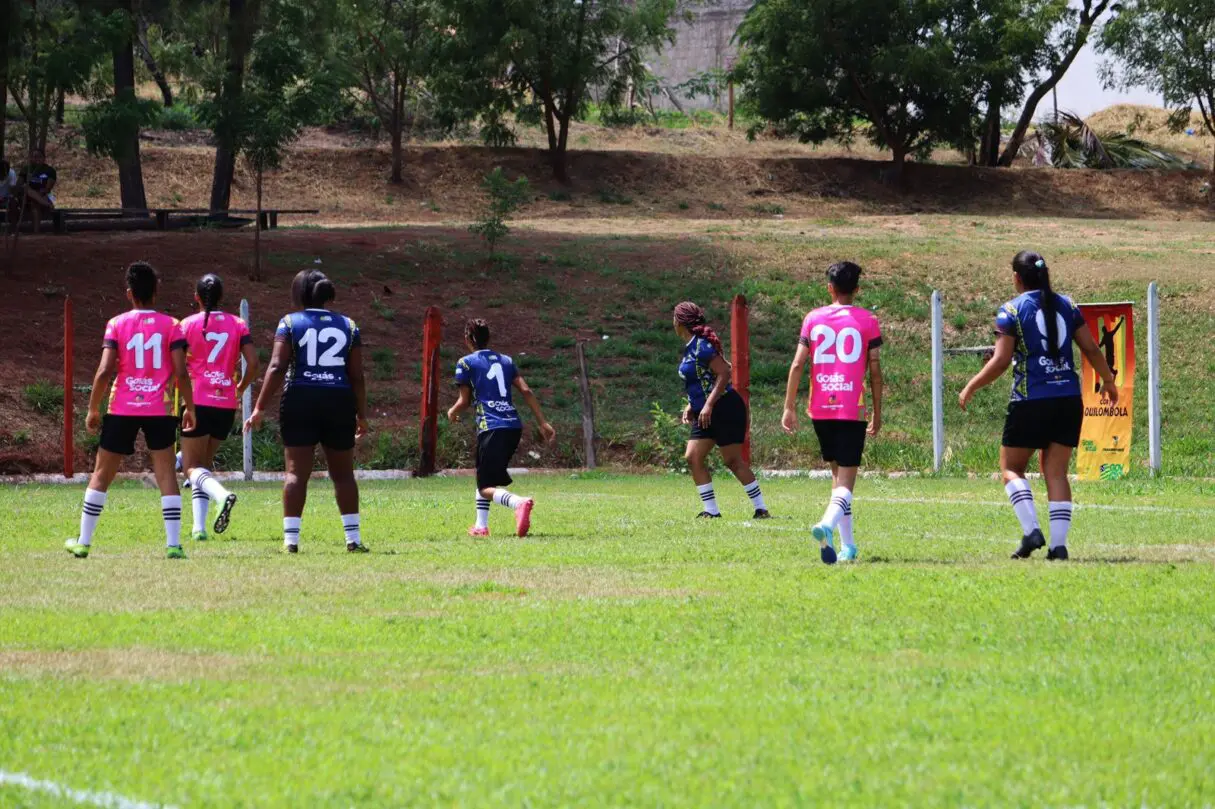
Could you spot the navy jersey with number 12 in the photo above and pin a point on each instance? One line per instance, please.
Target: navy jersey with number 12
(490, 375)
(320, 343)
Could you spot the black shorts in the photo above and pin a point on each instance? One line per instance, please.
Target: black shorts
(211, 422)
(1038, 423)
(308, 416)
(118, 432)
(729, 424)
(842, 442)
(495, 449)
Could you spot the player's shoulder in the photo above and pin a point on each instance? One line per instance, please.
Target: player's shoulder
(190, 320)
(865, 315)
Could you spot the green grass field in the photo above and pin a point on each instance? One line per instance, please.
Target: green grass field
(623, 655)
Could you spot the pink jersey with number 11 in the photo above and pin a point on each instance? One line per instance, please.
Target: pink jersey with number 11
(839, 338)
(144, 340)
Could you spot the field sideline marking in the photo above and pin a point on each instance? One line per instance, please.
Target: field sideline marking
(926, 501)
(108, 800)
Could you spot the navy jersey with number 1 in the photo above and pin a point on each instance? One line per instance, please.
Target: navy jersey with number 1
(490, 375)
(320, 343)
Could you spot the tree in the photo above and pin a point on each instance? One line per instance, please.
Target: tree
(1069, 37)
(389, 44)
(1169, 46)
(539, 59)
(284, 89)
(112, 126)
(818, 68)
(225, 108)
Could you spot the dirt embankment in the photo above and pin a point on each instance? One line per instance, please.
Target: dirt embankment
(442, 183)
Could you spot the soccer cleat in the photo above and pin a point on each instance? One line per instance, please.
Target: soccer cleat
(357, 547)
(289, 548)
(523, 517)
(175, 552)
(704, 515)
(1030, 543)
(74, 547)
(825, 535)
(1057, 554)
(848, 553)
(225, 512)
(762, 514)
(199, 536)
(478, 532)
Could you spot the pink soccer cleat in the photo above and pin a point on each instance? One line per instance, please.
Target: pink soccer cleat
(478, 532)
(523, 517)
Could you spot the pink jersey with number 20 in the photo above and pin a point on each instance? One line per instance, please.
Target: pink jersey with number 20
(839, 338)
(213, 354)
(144, 341)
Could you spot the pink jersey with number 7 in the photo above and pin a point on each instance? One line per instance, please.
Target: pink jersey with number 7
(144, 340)
(839, 338)
(213, 355)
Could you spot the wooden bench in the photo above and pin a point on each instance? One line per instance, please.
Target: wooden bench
(160, 218)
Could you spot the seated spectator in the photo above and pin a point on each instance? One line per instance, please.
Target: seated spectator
(8, 182)
(39, 180)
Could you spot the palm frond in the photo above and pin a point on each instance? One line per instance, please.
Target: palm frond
(1073, 144)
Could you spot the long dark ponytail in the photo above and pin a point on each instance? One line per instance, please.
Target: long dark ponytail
(1033, 272)
(210, 291)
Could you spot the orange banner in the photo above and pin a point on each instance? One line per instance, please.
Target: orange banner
(1105, 439)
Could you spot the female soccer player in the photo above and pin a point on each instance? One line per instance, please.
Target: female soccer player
(717, 413)
(318, 360)
(845, 341)
(215, 342)
(487, 377)
(1035, 332)
(143, 354)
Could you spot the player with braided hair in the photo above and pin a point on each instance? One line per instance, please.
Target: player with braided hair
(215, 343)
(716, 412)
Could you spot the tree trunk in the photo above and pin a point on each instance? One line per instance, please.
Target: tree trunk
(257, 233)
(3, 91)
(130, 171)
(560, 153)
(398, 126)
(145, 54)
(240, 39)
(989, 149)
(59, 102)
(899, 153)
(1089, 15)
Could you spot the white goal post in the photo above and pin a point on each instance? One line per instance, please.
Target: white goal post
(938, 378)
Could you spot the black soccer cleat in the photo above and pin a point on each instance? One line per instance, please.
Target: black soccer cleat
(357, 547)
(289, 548)
(1029, 543)
(225, 513)
(762, 514)
(1058, 554)
(704, 515)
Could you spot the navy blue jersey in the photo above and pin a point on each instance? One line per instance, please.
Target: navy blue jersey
(490, 375)
(1036, 374)
(320, 343)
(694, 369)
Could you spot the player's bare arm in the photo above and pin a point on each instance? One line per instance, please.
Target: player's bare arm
(358, 383)
(993, 370)
(106, 369)
(546, 429)
(1092, 352)
(250, 371)
(463, 402)
(798, 366)
(276, 370)
(184, 388)
(876, 385)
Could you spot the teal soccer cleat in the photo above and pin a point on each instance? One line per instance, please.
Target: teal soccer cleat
(825, 535)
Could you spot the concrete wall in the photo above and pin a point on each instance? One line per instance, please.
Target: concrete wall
(703, 44)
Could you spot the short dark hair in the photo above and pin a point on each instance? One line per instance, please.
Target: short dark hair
(476, 331)
(142, 280)
(845, 276)
(312, 289)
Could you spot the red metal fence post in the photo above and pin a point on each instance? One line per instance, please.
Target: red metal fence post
(68, 448)
(740, 359)
(432, 328)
